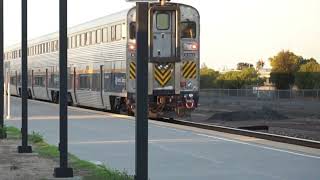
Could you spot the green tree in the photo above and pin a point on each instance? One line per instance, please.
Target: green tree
(244, 65)
(208, 77)
(284, 66)
(308, 76)
(239, 79)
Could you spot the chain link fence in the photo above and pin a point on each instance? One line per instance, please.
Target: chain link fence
(263, 94)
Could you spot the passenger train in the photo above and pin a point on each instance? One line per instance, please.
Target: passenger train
(102, 62)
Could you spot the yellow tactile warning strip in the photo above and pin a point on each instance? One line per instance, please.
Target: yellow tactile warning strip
(189, 70)
(132, 69)
(163, 73)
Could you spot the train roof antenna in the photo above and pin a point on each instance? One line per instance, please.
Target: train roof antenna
(163, 2)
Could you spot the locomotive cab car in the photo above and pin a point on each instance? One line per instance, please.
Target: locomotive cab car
(102, 62)
(174, 41)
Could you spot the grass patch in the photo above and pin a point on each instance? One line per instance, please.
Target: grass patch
(3, 131)
(87, 170)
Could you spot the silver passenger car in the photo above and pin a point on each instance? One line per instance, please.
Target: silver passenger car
(102, 62)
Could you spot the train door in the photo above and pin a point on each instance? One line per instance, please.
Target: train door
(75, 78)
(102, 84)
(32, 83)
(47, 82)
(13, 83)
(163, 30)
(164, 48)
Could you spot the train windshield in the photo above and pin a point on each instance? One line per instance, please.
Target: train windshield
(188, 29)
(132, 30)
(163, 21)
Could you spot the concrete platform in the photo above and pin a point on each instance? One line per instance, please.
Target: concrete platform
(175, 152)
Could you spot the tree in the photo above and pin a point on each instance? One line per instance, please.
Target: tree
(239, 79)
(308, 76)
(244, 65)
(260, 64)
(208, 77)
(284, 65)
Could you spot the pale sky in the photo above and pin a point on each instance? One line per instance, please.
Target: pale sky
(231, 30)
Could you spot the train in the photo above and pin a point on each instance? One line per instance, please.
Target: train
(102, 62)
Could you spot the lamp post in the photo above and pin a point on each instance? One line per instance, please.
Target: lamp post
(24, 148)
(63, 171)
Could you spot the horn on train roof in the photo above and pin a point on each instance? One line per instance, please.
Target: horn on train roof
(163, 2)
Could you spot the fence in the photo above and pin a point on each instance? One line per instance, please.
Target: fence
(312, 94)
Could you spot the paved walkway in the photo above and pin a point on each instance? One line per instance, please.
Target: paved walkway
(175, 152)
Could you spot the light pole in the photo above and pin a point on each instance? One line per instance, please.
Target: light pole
(63, 171)
(24, 148)
(142, 91)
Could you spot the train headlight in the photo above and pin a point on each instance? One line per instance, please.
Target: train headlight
(191, 95)
(132, 47)
(190, 46)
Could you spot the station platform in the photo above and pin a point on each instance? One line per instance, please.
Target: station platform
(175, 152)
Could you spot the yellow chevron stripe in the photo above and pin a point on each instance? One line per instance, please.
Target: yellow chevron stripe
(189, 70)
(132, 70)
(193, 67)
(163, 75)
(192, 74)
(187, 66)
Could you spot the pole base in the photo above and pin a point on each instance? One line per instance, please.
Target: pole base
(24, 149)
(63, 172)
(3, 135)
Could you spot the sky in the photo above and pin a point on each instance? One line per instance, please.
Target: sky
(231, 30)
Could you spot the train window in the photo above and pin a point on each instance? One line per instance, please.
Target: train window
(94, 37)
(48, 47)
(88, 42)
(35, 50)
(57, 45)
(73, 41)
(105, 35)
(118, 32)
(44, 47)
(132, 30)
(163, 21)
(13, 80)
(39, 49)
(84, 81)
(19, 53)
(52, 46)
(82, 39)
(78, 41)
(99, 36)
(96, 83)
(188, 29)
(39, 81)
(113, 33)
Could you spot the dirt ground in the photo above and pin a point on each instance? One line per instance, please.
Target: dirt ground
(296, 118)
(15, 166)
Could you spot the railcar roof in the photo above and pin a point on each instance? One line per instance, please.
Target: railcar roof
(114, 17)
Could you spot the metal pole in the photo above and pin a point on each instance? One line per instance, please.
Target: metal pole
(5, 98)
(2, 135)
(24, 69)
(142, 92)
(9, 97)
(63, 171)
